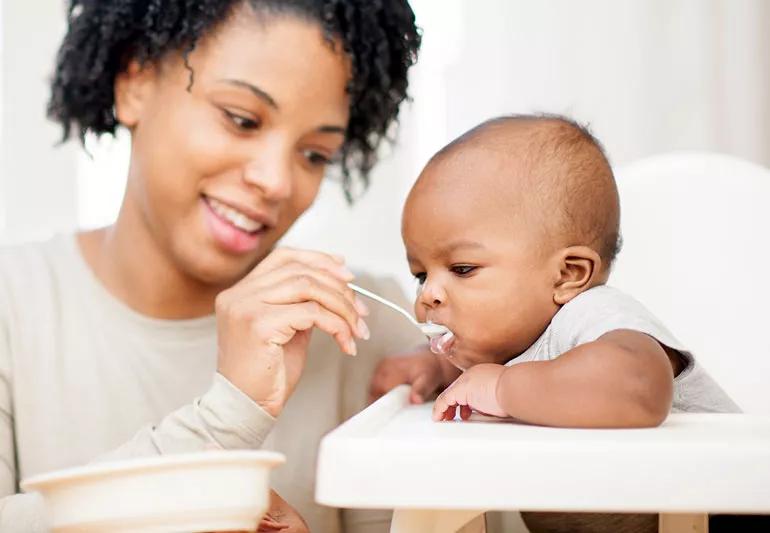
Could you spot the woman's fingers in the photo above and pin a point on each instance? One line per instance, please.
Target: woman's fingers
(264, 321)
(296, 283)
(306, 315)
(311, 286)
(296, 270)
(281, 257)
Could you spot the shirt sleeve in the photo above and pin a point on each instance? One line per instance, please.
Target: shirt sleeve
(601, 310)
(224, 418)
(19, 513)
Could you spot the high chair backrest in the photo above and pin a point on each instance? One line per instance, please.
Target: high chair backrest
(696, 252)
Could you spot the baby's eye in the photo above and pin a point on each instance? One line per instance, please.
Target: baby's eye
(420, 277)
(462, 270)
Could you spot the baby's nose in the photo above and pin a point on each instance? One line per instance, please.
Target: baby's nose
(432, 294)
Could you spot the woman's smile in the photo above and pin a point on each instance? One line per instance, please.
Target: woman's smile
(234, 229)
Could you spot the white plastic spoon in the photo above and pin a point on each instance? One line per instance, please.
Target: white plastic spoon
(428, 329)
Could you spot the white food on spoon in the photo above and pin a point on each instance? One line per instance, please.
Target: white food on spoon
(433, 330)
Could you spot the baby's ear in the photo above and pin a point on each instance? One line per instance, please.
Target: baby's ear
(578, 267)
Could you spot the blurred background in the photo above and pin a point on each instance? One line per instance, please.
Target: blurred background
(649, 76)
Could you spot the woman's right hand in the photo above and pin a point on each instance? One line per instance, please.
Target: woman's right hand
(264, 322)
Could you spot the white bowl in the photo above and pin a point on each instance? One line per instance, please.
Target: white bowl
(207, 491)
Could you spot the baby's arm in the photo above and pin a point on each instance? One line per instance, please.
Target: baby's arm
(623, 379)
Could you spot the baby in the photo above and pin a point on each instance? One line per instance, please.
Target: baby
(511, 231)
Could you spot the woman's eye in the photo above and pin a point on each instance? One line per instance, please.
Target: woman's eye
(463, 270)
(420, 277)
(316, 158)
(241, 122)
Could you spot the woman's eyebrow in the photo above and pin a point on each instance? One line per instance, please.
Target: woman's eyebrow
(269, 100)
(332, 129)
(259, 93)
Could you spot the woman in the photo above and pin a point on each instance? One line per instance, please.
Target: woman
(179, 328)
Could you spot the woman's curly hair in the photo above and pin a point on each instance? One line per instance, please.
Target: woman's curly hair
(379, 36)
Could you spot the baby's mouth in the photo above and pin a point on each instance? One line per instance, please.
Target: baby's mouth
(443, 344)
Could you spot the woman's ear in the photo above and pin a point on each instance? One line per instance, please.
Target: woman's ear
(578, 268)
(132, 90)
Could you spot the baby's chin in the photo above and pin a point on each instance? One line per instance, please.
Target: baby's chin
(464, 359)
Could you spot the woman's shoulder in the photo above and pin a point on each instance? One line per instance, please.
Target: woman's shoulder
(24, 261)
(33, 270)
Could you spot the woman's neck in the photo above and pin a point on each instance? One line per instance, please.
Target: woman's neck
(133, 267)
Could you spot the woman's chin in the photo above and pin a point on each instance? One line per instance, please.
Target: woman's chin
(210, 266)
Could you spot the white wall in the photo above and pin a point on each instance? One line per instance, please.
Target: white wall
(37, 182)
(649, 75)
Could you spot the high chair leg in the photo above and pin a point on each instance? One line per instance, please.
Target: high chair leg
(683, 523)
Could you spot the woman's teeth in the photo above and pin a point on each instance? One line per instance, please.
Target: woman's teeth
(234, 217)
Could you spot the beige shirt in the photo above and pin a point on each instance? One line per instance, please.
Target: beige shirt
(85, 378)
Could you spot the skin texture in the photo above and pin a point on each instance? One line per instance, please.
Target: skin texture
(495, 271)
(267, 109)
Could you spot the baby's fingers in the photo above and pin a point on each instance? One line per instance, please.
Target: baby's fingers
(445, 406)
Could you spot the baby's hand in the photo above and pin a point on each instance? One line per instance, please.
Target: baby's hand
(474, 390)
(420, 368)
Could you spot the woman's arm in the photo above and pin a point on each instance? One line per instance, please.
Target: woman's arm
(264, 323)
(224, 418)
(19, 513)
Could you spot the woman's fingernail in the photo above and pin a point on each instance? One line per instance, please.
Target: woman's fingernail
(352, 349)
(363, 329)
(360, 306)
(346, 273)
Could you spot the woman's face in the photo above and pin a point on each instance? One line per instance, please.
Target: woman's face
(219, 172)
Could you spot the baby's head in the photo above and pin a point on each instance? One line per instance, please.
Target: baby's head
(506, 224)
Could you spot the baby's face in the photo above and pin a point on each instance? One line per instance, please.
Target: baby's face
(479, 260)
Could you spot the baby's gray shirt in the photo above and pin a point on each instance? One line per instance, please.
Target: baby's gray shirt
(602, 309)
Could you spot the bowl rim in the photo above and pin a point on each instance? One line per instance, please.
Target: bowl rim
(158, 463)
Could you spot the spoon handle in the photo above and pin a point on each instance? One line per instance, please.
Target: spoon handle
(369, 294)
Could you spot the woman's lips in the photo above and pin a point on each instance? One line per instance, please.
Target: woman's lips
(227, 235)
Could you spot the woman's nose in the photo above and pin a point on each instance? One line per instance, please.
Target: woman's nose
(272, 175)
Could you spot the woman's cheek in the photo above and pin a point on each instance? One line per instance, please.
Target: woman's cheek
(210, 153)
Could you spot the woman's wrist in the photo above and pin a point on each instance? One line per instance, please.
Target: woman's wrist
(235, 419)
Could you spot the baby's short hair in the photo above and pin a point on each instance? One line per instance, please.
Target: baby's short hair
(567, 170)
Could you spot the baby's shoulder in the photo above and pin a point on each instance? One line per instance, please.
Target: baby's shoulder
(595, 304)
(600, 310)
